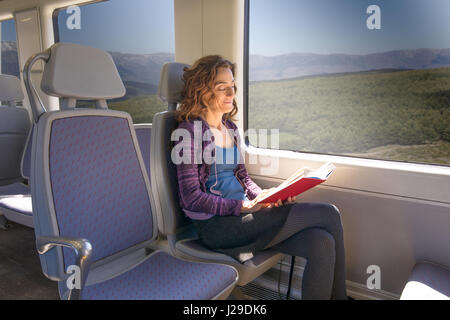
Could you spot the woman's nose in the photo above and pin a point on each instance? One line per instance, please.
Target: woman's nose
(230, 91)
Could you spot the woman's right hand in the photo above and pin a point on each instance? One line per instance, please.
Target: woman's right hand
(250, 206)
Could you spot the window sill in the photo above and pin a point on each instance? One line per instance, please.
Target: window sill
(411, 180)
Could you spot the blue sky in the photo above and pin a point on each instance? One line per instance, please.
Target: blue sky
(132, 26)
(8, 30)
(276, 26)
(339, 26)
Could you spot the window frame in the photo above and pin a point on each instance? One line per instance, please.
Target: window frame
(303, 154)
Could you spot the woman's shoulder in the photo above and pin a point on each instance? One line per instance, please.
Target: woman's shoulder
(230, 124)
(189, 124)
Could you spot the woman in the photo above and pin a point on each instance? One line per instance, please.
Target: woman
(219, 196)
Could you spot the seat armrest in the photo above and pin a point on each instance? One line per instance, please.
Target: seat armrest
(83, 250)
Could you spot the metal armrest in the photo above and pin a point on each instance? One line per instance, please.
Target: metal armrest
(83, 250)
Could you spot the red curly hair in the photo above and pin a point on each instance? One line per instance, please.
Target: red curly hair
(198, 82)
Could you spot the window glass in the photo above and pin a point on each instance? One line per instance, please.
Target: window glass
(9, 58)
(139, 35)
(358, 78)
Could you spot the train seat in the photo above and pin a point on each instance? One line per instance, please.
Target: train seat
(181, 235)
(93, 209)
(15, 196)
(144, 136)
(428, 281)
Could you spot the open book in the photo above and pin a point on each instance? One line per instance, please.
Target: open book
(302, 180)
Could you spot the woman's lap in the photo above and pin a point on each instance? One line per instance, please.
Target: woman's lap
(272, 224)
(236, 231)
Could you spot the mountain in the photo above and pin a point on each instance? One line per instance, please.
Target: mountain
(144, 68)
(306, 64)
(141, 72)
(9, 59)
(135, 89)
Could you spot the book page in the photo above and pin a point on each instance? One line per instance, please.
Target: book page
(322, 173)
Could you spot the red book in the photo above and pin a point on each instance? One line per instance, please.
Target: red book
(301, 181)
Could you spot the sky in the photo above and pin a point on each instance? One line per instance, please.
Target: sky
(339, 26)
(8, 30)
(276, 26)
(131, 26)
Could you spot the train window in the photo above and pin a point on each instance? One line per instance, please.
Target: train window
(8, 56)
(357, 78)
(140, 37)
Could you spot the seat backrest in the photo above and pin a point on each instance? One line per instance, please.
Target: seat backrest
(88, 176)
(144, 135)
(25, 165)
(171, 218)
(14, 128)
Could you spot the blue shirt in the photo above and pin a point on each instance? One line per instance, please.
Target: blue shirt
(226, 185)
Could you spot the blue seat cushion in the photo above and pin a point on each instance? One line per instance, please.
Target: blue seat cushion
(427, 282)
(18, 204)
(14, 189)
(163, 277)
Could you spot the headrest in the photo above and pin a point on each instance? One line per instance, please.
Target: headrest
(171, 84)
(79, 72)
(10, 89)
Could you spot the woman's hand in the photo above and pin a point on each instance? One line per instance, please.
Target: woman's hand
(262, 194)
(250, 206)
(279, 203)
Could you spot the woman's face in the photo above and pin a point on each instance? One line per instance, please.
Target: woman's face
(223, 88)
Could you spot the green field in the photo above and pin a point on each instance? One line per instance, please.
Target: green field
(142, 108)
(406, 112)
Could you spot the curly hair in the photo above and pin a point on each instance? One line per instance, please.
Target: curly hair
(198, 82)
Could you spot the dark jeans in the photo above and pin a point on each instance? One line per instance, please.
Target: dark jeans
(309, 230)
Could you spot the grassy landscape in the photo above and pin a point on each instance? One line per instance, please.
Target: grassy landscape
(141, 108)
(384, 114)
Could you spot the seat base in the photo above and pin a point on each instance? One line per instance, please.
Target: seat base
(193, 250)
(427, 282)
(164, 277)
(18, 209)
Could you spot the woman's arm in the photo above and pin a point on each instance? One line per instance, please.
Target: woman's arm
(194, 199)
(252, 188)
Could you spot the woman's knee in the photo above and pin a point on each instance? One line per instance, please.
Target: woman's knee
(333, 213)
(322, 242)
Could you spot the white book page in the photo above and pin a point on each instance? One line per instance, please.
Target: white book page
(322, 173)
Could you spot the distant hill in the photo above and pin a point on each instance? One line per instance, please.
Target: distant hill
(305, 64)
(135, 89)
(353, 113)
(9, 58)
(145, 68)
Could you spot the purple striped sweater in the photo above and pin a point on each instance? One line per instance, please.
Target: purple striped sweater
(195, 168)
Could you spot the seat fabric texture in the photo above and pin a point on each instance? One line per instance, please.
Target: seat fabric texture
(164, 277)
